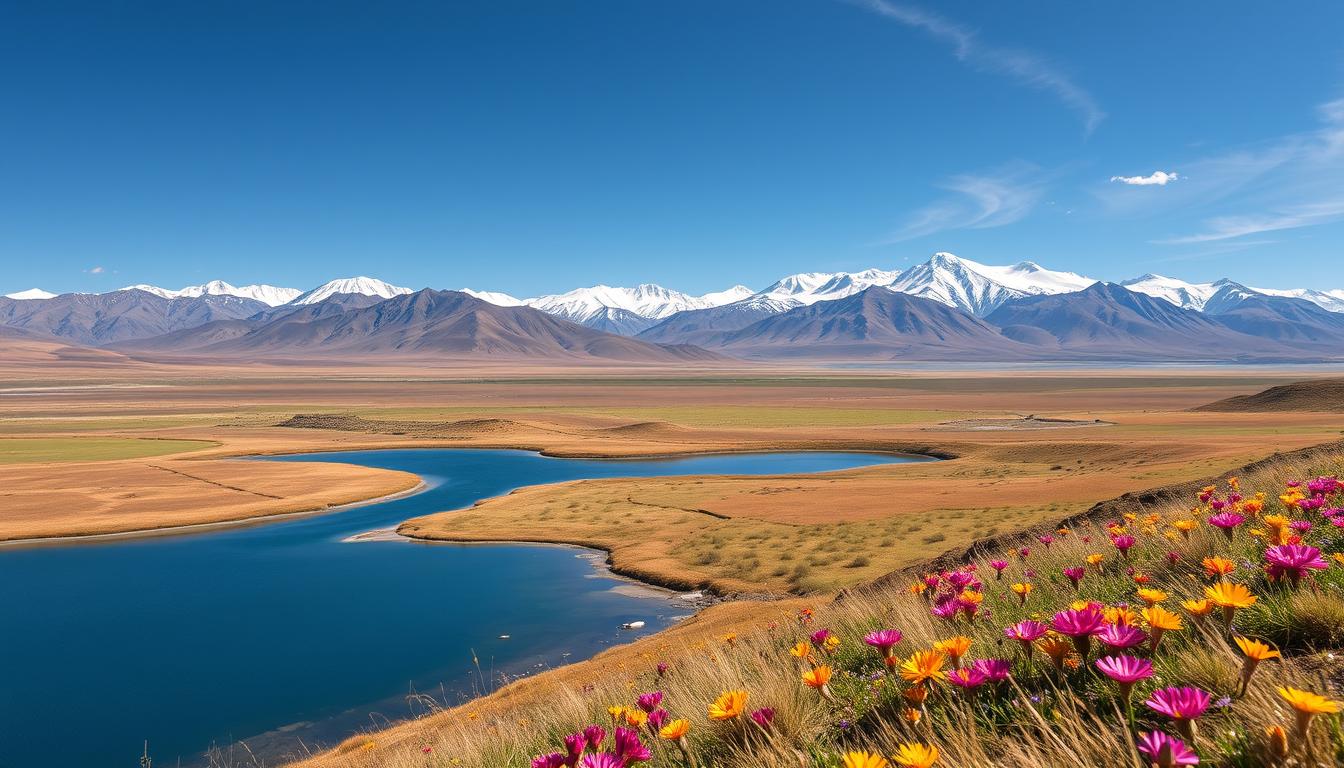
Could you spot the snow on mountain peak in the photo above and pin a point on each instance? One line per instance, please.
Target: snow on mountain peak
(367, 286)
(980, 288)
(1179, 292)
(647, 300)
(30, 295)
(493, 297)
(267, 294)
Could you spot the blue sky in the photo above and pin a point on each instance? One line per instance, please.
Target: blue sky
(532, 147)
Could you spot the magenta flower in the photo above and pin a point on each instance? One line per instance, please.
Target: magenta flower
(1228, 521)
(1024, 552)
(628, 747)
(575, 743)
(1301, 526)
(1125, 671)
(1165, 751)
(819, 637)
(1118, 637)
(594, 734)
(883, 640)
(658, 718)
(946, 610)
(1184, 705)
(1293, 561)
(1080, 626)
(931, 580)
(1046, 539)
(966, 678)
(1075, 574)
(649, 701)
(662, 668)
(553, 760)
(603, 760)
(960, 579)
(1123, 542)
(998, 566)
(1026, 632)
(763, 716)
(994, 670)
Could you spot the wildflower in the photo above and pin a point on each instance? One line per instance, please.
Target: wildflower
(802, 650)
(1024, 552)
(658, 718)
(916, 755)
(1293, 561)
(1338, 558)
(1184, 526)
(967, 679)
(763, 717)
(912, 715)
(1161, 621)
(730, 638)
(998, 566)
(1118, 637)
(994, 670)
(1255, 652)
(1184, 705)
(1080, 625)
(1227, 521)
(728, 706)
(649, 701)
(1229, 596)
(1022, 590)
(919, 588)
(1198, 608)
(628, 747)
(831, 643)
(636, 718)
(1075, 574)
(1046, 539)
(1125, 671)
(553, 760)
(594, 735)
(953, 648)
(1278, 742)
(603, 760)
(1122, 614)
(864, 760)
(924, 666)
(662, 668)
(820, 637)
(818, 678)
(1095, 560)
(1057, 649)
(883, 640)
(1124, 543)
(1164, 751)
(916, 694)
(1026, 633)
(1152, 596)
(1215, 567)
(1307, 706)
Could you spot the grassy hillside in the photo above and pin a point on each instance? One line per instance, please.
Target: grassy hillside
(1000, 660)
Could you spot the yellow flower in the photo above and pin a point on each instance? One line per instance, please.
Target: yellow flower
(730, 638)
(1254, 649)
(1160, 618)
(1218, 566)
(1122, 614)
(1057, 648)
(1338, 558)
(729, 705)
(924, 666)
(675, 729)
(1151, 596)
(616, 711)
(802, 650)
(831, 643)
(915, 755)
(971, 597)
(818, 677)
(1306, 701)
(1095, 560)
(953, 648)
(1184, 526)
(636, 718)
(1022, 590)
(864, 760)
(1226, 594)
(1198, 608)
(912, 715)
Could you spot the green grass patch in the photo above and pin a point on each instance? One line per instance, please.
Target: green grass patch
(25, 450)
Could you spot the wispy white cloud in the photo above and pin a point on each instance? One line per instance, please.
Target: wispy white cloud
(95, 270)
(1292, 217)
(1026, 67)
(980, 201)
(1288, 183)
(1156, 178)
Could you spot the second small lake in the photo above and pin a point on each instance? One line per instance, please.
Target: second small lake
(281, 631)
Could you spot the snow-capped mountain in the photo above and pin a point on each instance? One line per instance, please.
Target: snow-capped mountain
(494, 297)
(1179, 292)
(1331, 300)
(269, 295)
(648, 301)
(367, 286)
(31, 294)
(980, 288)
(719, 298)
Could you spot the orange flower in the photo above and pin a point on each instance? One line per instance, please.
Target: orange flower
(864, 760)
(1095, 560)
(954, 648)
(1215, 567)
(1160, 621)
(924, 666)
(728, 706)
(1122, 614)
(802, 650)
(1307, 706)
(1255, 652)
(817, 677)
(1152, 596)
(675, 730)
(1229, 596)
(1198, 608)
(916, 755)
(1022, 590)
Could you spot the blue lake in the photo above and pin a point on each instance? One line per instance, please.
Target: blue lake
(207, 638)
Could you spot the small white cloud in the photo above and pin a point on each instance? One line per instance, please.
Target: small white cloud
(95, 270)
(1156, 178)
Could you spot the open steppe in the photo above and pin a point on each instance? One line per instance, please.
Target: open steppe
(123, 465)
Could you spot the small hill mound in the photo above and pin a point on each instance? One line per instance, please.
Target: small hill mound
(1324, 395)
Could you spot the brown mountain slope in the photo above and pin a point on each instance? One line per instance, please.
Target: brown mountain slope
(1324, 395)
(438, 323)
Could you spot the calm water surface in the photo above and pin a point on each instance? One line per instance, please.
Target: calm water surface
(283, 630)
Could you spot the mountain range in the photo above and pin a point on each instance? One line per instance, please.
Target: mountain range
(946, 308)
